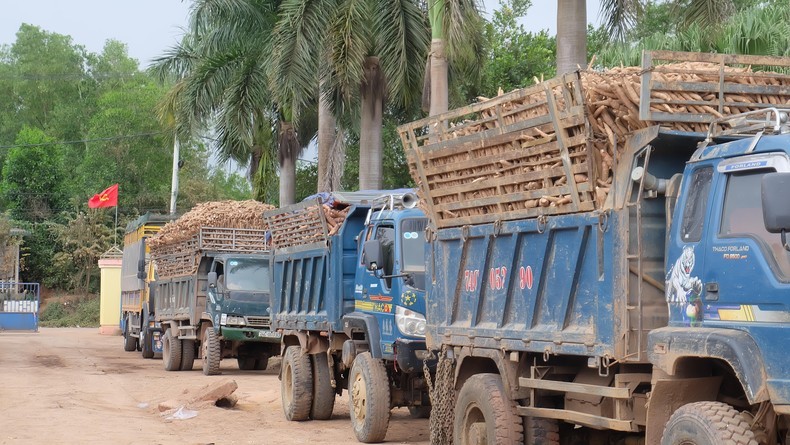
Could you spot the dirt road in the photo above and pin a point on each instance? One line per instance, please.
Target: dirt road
(73, 386)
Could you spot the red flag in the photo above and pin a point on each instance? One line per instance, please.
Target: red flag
(107, 198)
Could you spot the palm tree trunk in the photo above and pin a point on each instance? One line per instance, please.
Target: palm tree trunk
(571, 35)
(370, 144)
(289, 149)
(287, 181)
(326, 140)
(439, 88)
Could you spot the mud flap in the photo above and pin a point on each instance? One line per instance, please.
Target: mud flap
(670, 394)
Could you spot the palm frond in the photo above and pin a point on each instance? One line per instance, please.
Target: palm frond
(297, 45)
(403, 36)
(463, 27)
(707, 13)
(350, 41)
(619, 16)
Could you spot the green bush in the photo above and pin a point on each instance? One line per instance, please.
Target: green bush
(82, 313)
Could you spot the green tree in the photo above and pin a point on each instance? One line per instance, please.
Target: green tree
(84, 237)
(32, 177)
(47, 73)
(515, 57)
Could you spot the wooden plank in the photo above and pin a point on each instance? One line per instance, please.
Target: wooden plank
(562, 142)
(539, 149)
(496, 137)
(508, 216)
(729, 88)
(739, 59)
(494, 181)
(507, 198)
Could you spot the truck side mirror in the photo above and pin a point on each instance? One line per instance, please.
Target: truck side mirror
(776, 206)
(141, 269)
(372, 255)
(212, 279)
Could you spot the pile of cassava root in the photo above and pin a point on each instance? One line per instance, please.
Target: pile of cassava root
(303, 226)
(225, 214)
(532, 156)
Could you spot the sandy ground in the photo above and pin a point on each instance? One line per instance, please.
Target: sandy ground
(74, 386)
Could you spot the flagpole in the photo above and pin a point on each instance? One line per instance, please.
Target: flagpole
(115, 228)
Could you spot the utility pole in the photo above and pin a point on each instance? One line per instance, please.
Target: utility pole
(174, 182)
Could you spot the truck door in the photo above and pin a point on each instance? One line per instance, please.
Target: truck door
(744, 263)
(376, 289)
(685, 259)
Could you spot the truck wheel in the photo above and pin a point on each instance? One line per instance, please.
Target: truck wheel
(146, 337)
(485, 414)
(296, 384)
(420, 412)
(246, 363)
(323, 393)
(369, 398)
(129, 342)
(708, 423)
(262, 362)
(210, 351)
(171, 351)
(539, 431)
(187, 354)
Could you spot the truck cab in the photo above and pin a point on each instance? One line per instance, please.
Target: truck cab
(239, 296)
(390, 279)
(728, 276)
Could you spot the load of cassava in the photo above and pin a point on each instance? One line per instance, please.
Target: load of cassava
(550, 148)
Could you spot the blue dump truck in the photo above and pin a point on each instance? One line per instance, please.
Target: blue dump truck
(212, 296)
(140, 332)
(348, 298)
(611, 279)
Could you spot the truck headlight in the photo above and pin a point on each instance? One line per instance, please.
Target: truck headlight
(235, 320)
(409, 322)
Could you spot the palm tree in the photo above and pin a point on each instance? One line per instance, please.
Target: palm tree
(456, 33)
(366, 50)
(220, 67)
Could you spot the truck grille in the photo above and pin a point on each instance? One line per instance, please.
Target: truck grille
(259, 322)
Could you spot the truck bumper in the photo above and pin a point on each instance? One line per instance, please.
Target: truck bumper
(410, 355)
(250, 334)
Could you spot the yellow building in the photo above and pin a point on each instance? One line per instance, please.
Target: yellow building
(110, 293)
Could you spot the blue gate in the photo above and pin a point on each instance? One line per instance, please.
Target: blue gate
(19, 306)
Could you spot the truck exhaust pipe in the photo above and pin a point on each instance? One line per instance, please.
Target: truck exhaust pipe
(409, 200)
(650, 182)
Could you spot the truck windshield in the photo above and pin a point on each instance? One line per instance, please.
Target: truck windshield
(413, 248)
(247, 275)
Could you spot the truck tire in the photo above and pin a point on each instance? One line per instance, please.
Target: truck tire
(296, 384)
(420, 412)
(484, 413)
(262, 362)
(211, 351)
(246, 363)
(187, 354)
(708, 423)
(171, 351)
(146, 339)
(369, 398)
(538, 431)
(129, 342)
(323, 393)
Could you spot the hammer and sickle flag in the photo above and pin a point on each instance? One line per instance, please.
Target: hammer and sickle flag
(107, 198)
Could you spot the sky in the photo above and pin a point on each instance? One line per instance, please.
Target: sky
(150, 27)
